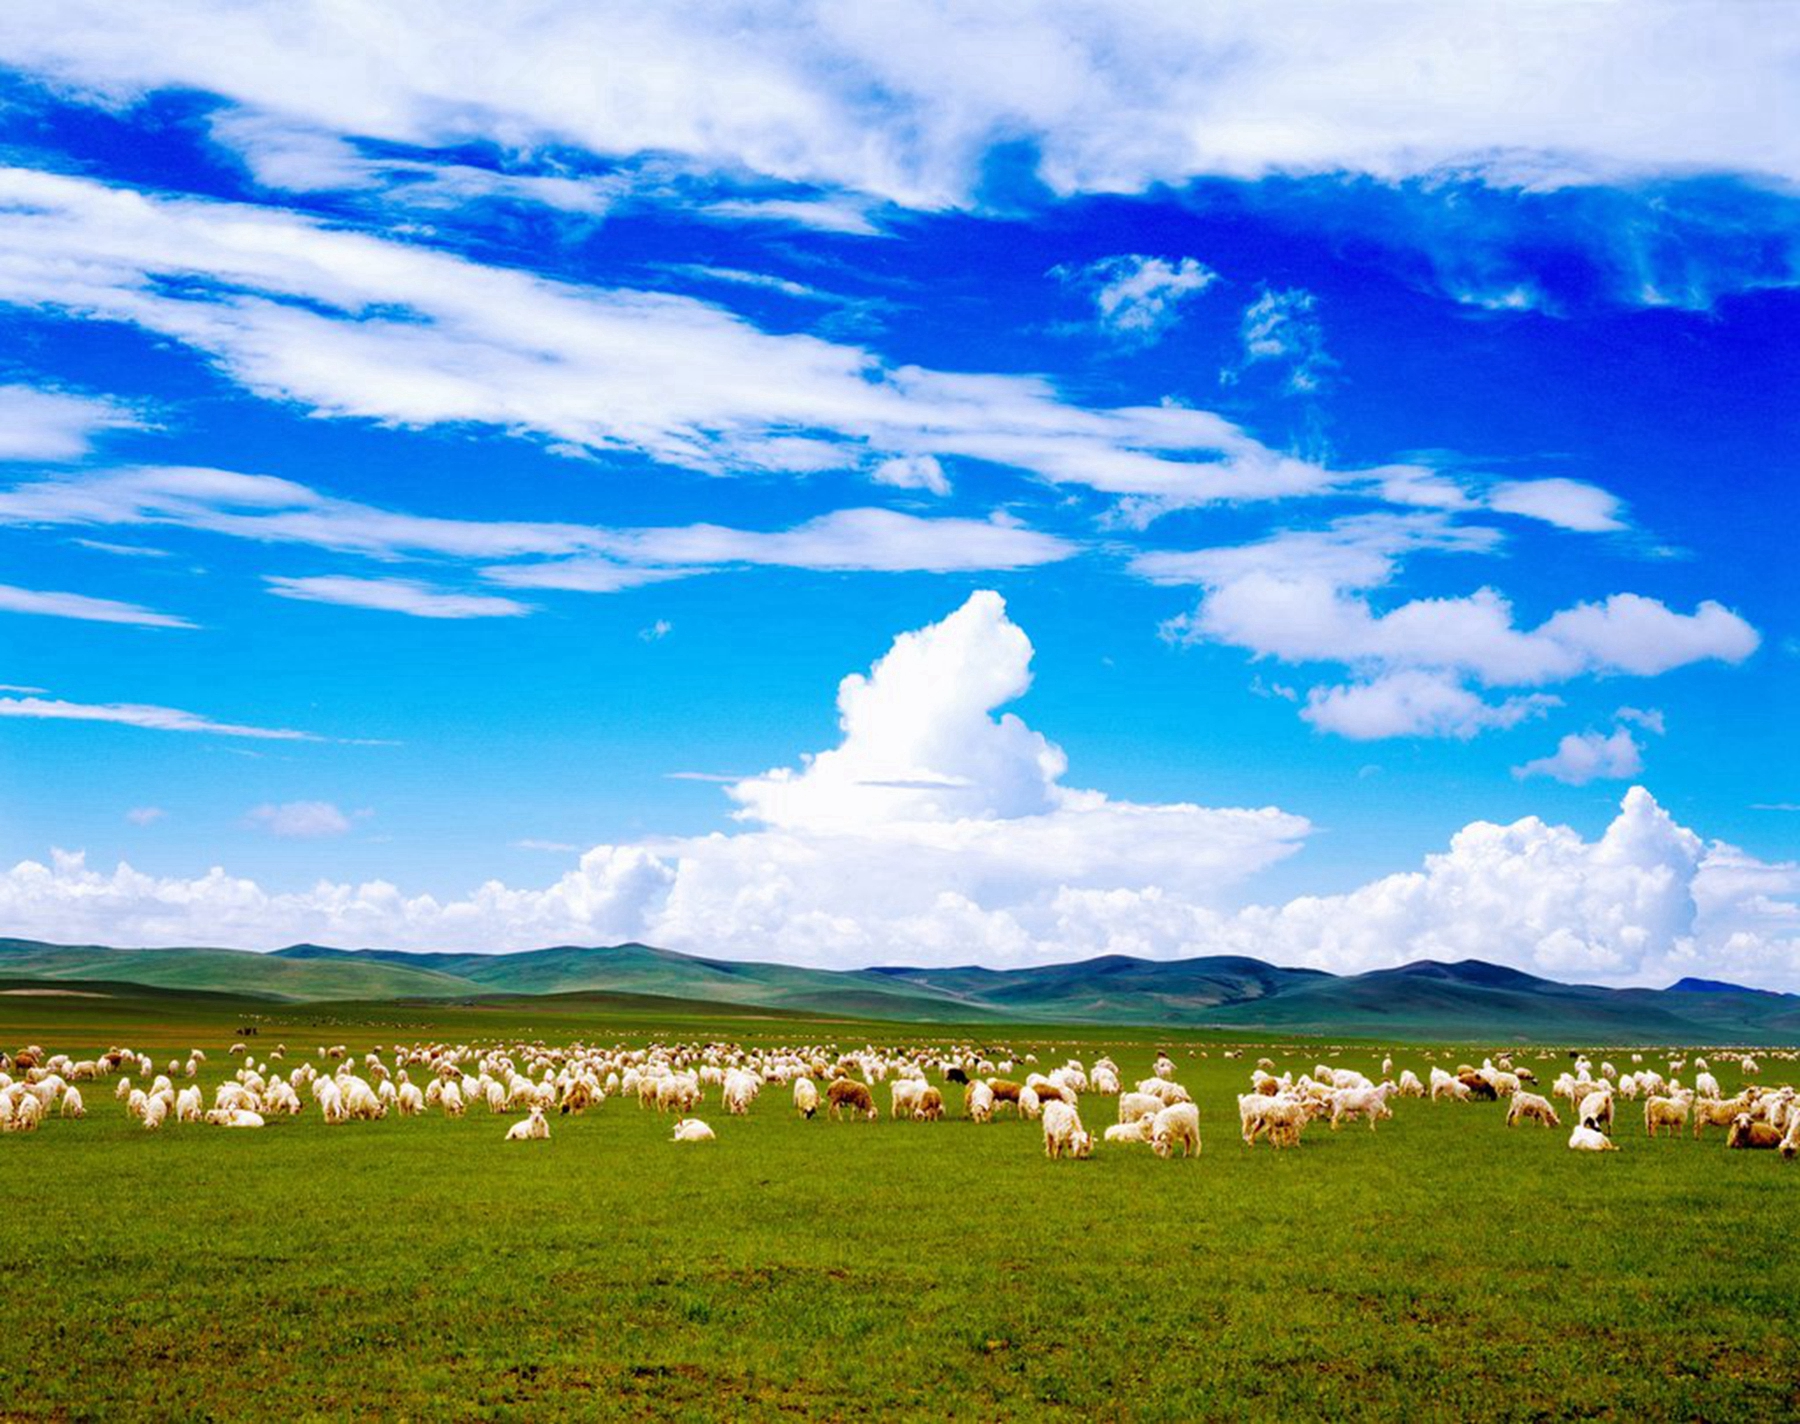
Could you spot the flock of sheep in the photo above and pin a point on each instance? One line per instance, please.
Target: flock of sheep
(535, 1080)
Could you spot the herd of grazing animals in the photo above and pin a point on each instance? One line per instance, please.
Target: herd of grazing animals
(529, 1081)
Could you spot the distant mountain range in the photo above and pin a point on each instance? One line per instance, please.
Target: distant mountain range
(1470, 1000)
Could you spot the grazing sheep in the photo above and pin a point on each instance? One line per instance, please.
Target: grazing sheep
(930, 1106)
(1410, 1086)
(1133, 1106)
(1370, 1103)
(1529, 1107)
(1180, 1123)
(1589, 1139)
(1748, 1133)
(691, 1129)
(534, 1128)
(1479, 1088)
(848, 1093)
(978, 1102)
(1597, 1109)
(155, 1110)
(1030, 1105)
(1281, 1118)
(1063, 1132)
(72, 1106)
(1004, 1091)
(903, 1097)
(806, 1097)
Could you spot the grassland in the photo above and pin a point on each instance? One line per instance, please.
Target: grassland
(1442, 1268)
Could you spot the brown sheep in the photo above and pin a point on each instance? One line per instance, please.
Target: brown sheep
(1478, 1086)
(930, 1107)
(1005, 1090)
(1750, 1134)
(848, 1093)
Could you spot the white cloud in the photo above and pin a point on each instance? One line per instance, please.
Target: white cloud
(938, 832)
(350, 325)
(656, 631)
(573, 556)
(1304, 597)
(85, 608)
(1415, 704)
(1589, 756)
(145, 815)
(912, 472)
(39, 424)
(1649, 718)
(1568, 504)
(1282, 328)
(395, 596)
(1139, 298)
(134, 714)
(907, 103)
(300, 820)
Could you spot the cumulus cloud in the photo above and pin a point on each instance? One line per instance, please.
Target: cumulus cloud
(299, 820)
(1306, 597)
(1568, 504)
(1589, 756)
(84, 607)
(1139, 298)
(936, 831)
(912, 472)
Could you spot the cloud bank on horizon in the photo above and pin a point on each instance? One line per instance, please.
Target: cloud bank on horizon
(935, 832)
(1383, 415)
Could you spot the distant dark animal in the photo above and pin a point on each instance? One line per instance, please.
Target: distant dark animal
(1478, 1086)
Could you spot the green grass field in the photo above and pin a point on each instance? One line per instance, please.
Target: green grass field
(1441, 1268)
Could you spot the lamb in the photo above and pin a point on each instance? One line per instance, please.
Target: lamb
(1063, 1132)
(533, 1128)
(848, 1093)
(1590, 1139)
(1179, 1123)
(691, 1129)
(806, 1097)
(1529, 1107)
(1746, 1132)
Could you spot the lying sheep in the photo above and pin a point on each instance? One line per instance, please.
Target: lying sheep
(534, 1128)
(1746, 1132)
(1177, 1124)
(1590, 1139)
(1529, 1107)
(691, 1129)
(1139, 1130)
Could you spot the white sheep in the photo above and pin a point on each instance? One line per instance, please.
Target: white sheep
(72, 1106)
(1177, 1123)
(806, 1096)
(1137, 1131)
(691, 1129)
(1589, 1139)
(533, 1128)
(1063, 1132)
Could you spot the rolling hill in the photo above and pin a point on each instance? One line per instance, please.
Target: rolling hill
(1427, 999)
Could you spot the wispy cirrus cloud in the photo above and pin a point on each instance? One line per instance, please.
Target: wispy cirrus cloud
(389, 595)
(88, 609)
(137, 714)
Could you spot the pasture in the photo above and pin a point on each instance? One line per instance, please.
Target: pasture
(1443, 1266)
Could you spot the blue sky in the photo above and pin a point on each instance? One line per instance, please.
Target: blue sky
(421, 472)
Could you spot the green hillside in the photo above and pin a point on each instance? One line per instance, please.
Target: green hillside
(1426, 1000)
